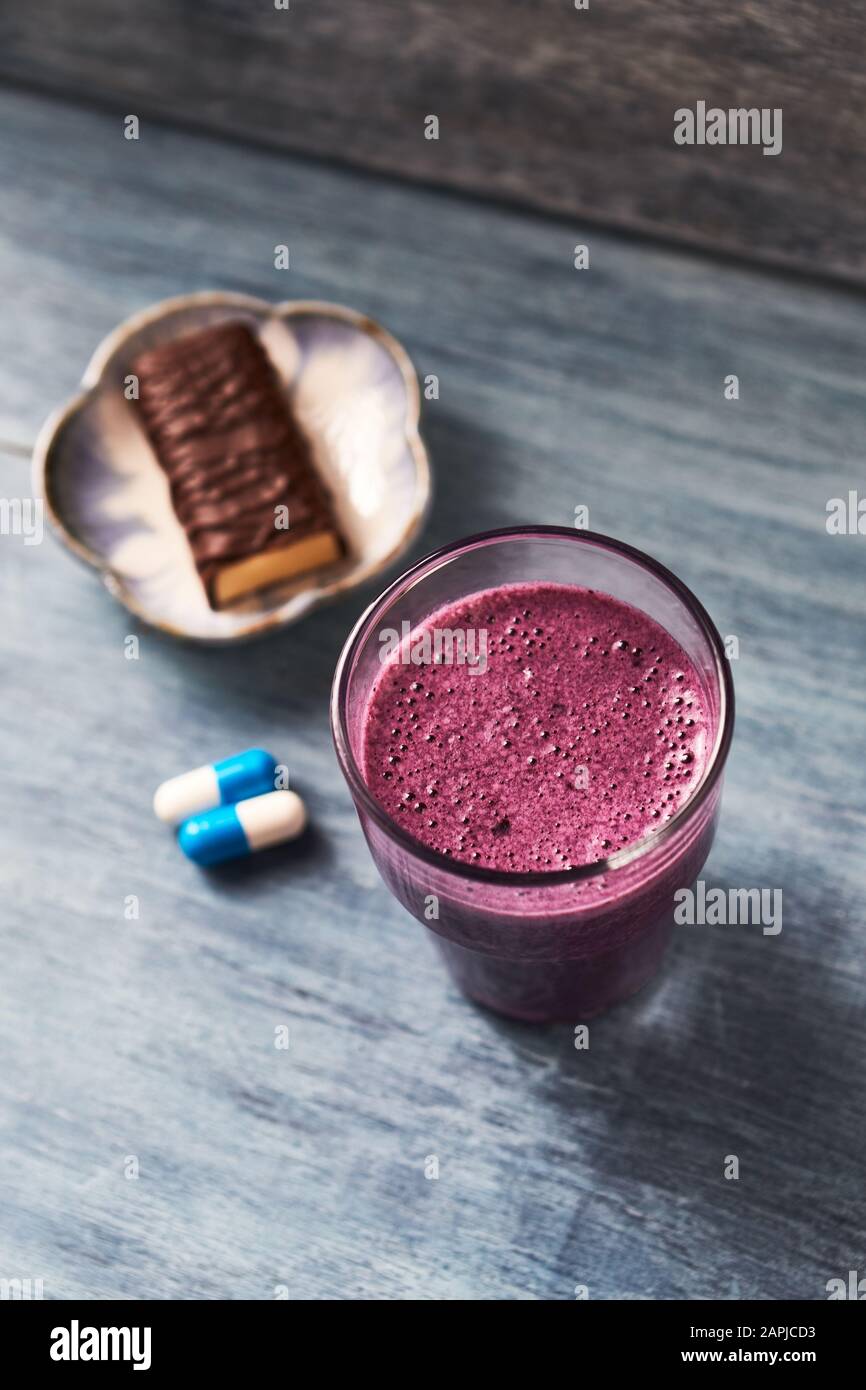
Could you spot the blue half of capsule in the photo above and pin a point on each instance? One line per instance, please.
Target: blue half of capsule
(246, 774)
(213, 837)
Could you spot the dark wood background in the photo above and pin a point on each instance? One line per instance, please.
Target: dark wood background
(568, 111)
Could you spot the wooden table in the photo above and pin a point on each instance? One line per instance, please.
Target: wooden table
(302, 1170)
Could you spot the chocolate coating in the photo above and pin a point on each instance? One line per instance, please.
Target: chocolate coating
(217, 417)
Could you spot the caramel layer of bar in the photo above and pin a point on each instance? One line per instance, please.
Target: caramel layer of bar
(274, 567)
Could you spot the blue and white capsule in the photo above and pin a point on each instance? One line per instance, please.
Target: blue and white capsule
(217, 784)
(227, 832)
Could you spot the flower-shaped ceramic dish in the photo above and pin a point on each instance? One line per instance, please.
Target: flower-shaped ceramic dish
(354, 391)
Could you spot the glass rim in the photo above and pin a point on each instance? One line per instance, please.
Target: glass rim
(535, 878)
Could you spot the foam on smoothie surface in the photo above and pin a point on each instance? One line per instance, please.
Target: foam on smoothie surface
(586, 731)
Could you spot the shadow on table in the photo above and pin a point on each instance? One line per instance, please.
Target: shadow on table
(270, 868)
(737, 1049)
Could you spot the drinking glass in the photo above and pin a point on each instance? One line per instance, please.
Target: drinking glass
(541, 946)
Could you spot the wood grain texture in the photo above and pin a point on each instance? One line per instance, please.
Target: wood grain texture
(155, 1037)
(569, 111)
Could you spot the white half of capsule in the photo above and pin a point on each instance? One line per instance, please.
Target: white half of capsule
(271, 819)
(187, 794)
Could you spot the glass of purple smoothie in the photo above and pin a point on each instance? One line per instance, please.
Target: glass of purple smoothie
(533, 724)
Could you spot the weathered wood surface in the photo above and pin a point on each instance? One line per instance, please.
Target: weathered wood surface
(154, 1037)
(567, 110)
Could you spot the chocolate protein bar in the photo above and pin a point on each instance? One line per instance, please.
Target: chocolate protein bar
(240, 469)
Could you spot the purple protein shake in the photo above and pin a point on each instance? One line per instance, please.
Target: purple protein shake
(538, 758)
(578, 729)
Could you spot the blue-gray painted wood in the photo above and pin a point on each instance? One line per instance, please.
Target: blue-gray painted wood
(154, 1037)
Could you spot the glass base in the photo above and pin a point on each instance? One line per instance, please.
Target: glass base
(557, 991)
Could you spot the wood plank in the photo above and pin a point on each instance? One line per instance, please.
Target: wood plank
(570, 111)
(154, 1037)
